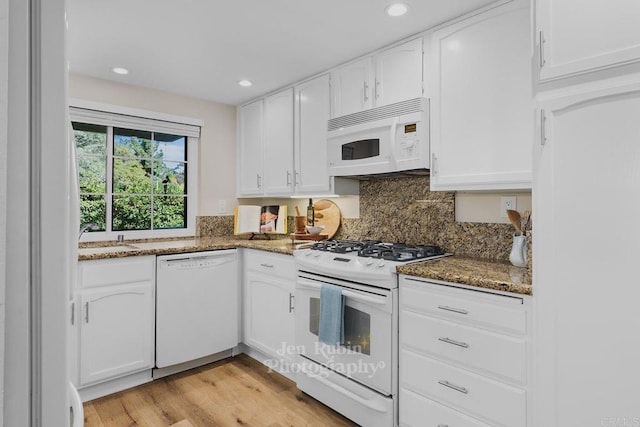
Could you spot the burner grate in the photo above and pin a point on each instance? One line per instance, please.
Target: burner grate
(377, 249)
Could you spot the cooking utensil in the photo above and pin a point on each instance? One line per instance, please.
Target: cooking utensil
(298, 211)
(526, 221)
(515, 218)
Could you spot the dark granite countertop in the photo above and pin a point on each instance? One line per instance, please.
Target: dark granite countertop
(97, 250)
(483, 273)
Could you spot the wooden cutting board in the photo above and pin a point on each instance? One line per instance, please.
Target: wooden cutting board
(327, 214)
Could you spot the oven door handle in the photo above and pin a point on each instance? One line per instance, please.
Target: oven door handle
(351, 395)
(357, 296)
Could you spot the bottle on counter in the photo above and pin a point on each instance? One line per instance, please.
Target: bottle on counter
(311, 214)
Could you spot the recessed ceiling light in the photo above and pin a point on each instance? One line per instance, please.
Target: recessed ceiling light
(396, 9)
(245, 83)
(120, 70)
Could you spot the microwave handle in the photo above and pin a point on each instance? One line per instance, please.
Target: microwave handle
(357, 296)
(392, 143)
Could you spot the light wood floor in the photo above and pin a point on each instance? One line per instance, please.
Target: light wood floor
(234, 392)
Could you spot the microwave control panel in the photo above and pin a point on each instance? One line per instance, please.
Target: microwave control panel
(407, 141)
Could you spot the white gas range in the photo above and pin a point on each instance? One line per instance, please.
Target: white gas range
(357, 378)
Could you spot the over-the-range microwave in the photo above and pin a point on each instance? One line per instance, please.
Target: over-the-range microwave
(387, 139)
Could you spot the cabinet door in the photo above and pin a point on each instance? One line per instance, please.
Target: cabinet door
(351, 87)
(250, 138)
(116, 332)
(311, 115)
(587, 300)
(269, 317)
(278, 147)
(577, 37)
(481, 107)
(399, 73)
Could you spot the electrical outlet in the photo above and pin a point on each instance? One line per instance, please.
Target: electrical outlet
(222, 206)
(507, 203)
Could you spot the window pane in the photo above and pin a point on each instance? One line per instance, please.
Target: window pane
(93, 209)
(132, 143)
(131, 213)
(169, 147)
(169, 212)
(169, 178)
(131, 176)
(90, 139)
(92, 171)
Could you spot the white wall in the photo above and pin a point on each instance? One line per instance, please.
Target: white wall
(16, 361)
(217, 150)
(485, 207)
(4, 77)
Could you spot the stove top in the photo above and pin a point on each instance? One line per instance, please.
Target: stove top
(398, 252)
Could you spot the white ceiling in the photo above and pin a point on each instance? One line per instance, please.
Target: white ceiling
(202, 48)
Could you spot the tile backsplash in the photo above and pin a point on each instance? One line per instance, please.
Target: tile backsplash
(403, 209)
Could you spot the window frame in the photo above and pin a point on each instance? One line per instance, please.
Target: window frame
(114, 116)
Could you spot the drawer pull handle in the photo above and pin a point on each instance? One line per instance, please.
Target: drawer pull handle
(453, 386)
(443, 425)
(455, 310)
(266, 265)
(454, 342)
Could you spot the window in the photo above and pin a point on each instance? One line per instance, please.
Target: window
(134, 181)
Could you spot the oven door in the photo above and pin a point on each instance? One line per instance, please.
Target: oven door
(365, 355)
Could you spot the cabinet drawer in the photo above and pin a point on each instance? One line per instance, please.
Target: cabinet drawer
(269, 263)
(477, 308)
(476, 348)
(418, 411)
(116, 271)
(463, 390)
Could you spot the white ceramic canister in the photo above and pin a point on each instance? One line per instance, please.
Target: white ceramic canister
(518, 255)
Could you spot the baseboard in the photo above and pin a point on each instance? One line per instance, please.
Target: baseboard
(112, 386)
(283, 367)
(174, 369)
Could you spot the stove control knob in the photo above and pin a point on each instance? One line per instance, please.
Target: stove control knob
(307, 254)
(369, 261)
(381, 264)
(316, 254)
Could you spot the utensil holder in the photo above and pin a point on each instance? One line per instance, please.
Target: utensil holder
(518, 255)
(300, 224)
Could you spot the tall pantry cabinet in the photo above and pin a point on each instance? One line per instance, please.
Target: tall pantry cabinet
(586, 205)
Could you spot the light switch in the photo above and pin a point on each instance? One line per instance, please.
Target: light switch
(222, 206)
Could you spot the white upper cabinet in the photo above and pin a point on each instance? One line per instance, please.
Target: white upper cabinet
(311, 115)
(278, 146)
(351, 87)
(481, 101)
(392, 75)
(250, 142)
(399, 73)
(282, 142)
(578, 37)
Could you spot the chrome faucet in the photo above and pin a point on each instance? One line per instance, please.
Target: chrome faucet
(88, 227)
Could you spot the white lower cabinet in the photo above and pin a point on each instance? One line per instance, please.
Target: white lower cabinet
(464, 356)
(268, 294)
(116, 332)
(115, 320)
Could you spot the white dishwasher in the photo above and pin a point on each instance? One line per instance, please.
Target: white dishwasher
(196, 305)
